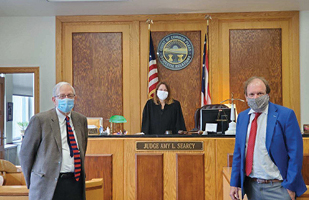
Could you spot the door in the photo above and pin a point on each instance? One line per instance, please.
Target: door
(1, 118)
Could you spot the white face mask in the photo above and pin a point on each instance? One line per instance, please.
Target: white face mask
(162, 95)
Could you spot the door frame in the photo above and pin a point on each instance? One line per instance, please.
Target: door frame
(36, 72)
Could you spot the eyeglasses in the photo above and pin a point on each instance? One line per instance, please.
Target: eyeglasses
(63, 96)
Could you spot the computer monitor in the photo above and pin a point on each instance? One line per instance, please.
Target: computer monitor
(220, 116)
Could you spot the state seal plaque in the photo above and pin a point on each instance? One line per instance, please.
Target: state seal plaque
(175, 51)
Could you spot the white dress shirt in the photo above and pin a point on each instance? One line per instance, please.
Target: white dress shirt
(67, 164)
(263, 167)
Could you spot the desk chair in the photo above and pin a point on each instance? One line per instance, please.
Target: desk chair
(197, 113)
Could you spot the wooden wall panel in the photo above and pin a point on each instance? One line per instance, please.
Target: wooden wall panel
(223, 148)
(97, 74)
(190, 176)
(106, 149)
(149, 176)
(101, 166)
(255, 52)
(170, 166)
(185, 84)
(305, 169)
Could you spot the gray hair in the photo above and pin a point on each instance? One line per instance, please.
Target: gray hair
(59, 85)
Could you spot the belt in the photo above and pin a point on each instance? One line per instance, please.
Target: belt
(264, 181)
(66, 175)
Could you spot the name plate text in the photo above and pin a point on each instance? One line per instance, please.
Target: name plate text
(167, 146)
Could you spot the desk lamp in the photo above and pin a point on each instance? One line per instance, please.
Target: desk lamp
(116, 119)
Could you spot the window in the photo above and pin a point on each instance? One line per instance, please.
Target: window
(23, 110)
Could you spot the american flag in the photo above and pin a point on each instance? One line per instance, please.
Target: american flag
(153, 70)
(205, 95)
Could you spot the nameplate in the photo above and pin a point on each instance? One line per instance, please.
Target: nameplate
(169, 146)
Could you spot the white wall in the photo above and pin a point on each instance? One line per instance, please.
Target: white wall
(30, 42)
(304, 66)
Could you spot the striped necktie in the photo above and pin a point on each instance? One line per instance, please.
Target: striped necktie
(73, 147)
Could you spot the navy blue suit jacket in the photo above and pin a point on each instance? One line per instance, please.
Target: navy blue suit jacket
(284, 144)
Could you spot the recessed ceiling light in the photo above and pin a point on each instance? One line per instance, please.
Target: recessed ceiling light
(82, 0)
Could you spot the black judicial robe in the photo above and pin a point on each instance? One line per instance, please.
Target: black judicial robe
(156, 121)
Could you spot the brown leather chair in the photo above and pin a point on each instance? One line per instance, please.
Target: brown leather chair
(197, 113)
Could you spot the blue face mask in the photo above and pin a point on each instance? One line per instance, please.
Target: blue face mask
(65, 105)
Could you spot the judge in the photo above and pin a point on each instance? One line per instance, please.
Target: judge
(162, 113)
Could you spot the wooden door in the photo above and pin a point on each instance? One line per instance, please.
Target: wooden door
(256, 47)
(97, 62)
(2, 153)
(251, 47)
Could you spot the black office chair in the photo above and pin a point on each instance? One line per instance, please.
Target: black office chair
(197, 113)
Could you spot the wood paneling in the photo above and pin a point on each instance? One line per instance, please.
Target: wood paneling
(211, 161)
(185, 84)
(170, 167)
(93, 168)
(305, 169)
(108, 151)
(149, 176)
(97, 74)
(223, 148)
(255, 52)
(190, 177)
(136, 46)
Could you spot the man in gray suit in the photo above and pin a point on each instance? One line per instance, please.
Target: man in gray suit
(53, 150)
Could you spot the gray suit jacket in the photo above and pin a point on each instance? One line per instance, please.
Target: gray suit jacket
(41, 152)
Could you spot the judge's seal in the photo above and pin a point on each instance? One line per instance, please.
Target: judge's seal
(175, 51)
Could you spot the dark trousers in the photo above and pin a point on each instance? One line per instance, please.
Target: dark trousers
(68, 188)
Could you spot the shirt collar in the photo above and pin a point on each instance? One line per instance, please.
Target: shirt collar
(265, 112)
(61, 116)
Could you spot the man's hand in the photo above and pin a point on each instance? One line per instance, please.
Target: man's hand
(292, 194)
(234, 193)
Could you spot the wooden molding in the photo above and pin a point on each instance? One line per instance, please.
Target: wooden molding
(36, 71)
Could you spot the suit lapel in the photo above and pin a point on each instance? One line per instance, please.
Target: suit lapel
(77, 128)
(244, 130)
(271, 123)
(54, 122)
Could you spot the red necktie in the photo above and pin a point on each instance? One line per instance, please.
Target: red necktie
(73, 146)
(251, 143)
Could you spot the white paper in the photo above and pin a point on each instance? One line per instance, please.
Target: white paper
(211, 127)
(92, 126)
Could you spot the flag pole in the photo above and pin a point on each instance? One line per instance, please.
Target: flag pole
(149, 22)
(152, 68)
(207, 17)
(206, 69)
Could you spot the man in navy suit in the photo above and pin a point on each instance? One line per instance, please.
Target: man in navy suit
(268, 152)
